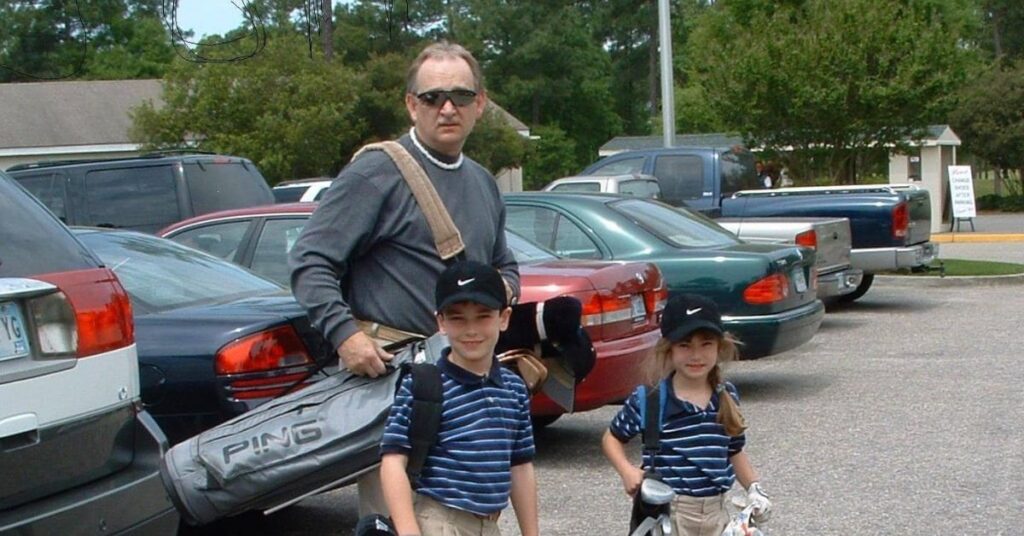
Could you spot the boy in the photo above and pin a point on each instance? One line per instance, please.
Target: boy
(484, 452)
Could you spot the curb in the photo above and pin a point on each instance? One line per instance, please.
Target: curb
(950, 281)
(945, 238)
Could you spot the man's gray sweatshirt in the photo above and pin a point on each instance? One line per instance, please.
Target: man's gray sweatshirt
(368, 253)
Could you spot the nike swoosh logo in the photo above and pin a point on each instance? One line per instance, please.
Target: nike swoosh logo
(692, 311)
(464, 282)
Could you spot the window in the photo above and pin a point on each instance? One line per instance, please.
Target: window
(288, 194)
(218, 239)
(51, 189)
(676, 226)
(270, 259)
(681, 177)
(526, 252)
(621, 167)
(738, 171)
(140, 198)
(551, 230)
(577, 187)
(31, 240)
(222, 185)
(642, 188)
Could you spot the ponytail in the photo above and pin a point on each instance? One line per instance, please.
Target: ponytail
(729, 415)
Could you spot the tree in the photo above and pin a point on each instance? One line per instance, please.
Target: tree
(292, 115)
(550, 158)
(831, 79)
(104, 39)
(988, 116)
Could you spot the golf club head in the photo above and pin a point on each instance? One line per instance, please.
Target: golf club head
(656, 492)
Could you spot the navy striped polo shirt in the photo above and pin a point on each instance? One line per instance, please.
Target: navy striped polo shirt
(485, 430)
(693, 455)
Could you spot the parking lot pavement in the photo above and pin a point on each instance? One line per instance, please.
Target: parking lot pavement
(902, 416)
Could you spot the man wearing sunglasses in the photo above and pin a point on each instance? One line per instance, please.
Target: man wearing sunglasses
(367, 252)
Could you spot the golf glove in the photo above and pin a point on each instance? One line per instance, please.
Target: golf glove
(757, 498)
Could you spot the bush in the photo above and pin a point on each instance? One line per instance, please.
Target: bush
(1005, 203)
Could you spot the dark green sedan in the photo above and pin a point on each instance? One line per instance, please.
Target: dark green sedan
(766, 292)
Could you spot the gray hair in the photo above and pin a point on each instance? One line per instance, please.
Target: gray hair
(439, 50)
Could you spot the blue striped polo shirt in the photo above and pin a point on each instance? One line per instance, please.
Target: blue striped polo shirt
(485, 430)
(693, 455)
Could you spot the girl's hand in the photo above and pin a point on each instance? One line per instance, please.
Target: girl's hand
(631, 480)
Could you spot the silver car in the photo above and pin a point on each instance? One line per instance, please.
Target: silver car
(632, 184)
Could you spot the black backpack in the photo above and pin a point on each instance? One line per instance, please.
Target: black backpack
(425, 419)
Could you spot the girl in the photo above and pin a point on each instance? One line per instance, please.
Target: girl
(700, 449)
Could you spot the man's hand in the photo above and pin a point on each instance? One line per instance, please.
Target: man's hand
(362, 356)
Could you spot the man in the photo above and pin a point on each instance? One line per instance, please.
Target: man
(367, 252)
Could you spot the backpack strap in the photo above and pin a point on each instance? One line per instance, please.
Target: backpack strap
(652, 407)
(425, 418)
(447, 238)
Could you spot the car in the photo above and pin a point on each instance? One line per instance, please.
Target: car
(635, 184)
(301, 190)
(766, 292)
(145, 193)
(77, 452)
(214, 340)
(621, 301)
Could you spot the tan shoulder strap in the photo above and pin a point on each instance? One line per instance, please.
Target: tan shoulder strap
(447, 238)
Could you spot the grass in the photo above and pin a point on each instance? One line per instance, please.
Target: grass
(963, 267)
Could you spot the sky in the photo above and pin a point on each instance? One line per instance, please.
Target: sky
(207, 17)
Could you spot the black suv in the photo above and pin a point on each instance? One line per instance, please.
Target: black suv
(78, 454)
(146, 193)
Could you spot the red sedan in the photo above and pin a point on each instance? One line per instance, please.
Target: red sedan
(622, 302)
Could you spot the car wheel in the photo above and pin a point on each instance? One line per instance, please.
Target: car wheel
(543, 421)
(862, 288)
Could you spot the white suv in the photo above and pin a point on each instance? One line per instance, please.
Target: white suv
(301, 190)
(77, 453)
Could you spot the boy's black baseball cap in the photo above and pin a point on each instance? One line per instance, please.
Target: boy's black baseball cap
(469, 281)
(686, 313)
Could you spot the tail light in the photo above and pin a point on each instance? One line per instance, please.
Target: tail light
(656, 300)
(900, 220)
(264, 364)
(91, 314)
(807, 239)
(767, 290)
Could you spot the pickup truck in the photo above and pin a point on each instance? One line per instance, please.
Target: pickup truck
(890, 225)
(828, 237)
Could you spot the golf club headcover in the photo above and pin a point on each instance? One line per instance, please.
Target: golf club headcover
(555, 324)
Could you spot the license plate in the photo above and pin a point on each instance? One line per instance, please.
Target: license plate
(799, 280)
(13, 338)
(639, 310)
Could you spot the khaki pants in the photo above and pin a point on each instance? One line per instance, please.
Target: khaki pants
(699, 516)
(436, 519)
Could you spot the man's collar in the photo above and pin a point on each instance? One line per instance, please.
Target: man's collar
(466, 377)
(442, 161)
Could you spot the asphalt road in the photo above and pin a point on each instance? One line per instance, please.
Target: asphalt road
(902, 416)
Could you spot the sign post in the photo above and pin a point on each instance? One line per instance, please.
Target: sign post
(961, 191)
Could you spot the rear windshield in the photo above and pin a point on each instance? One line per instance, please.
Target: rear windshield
(677, 226)
(161, 275)
(215, 185)
(738, 171)
(289, 194)
(32, 241)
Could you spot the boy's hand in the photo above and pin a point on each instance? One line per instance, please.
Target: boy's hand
(631, 480)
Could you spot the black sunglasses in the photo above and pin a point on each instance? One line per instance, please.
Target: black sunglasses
(437, 97)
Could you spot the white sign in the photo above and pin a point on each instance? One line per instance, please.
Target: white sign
(961, 191)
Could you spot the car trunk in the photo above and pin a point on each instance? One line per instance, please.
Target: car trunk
(619, 300)
(795, 263)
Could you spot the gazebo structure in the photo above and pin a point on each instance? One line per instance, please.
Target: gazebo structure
(927, 165)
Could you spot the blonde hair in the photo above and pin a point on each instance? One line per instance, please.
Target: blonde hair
(659, 364)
